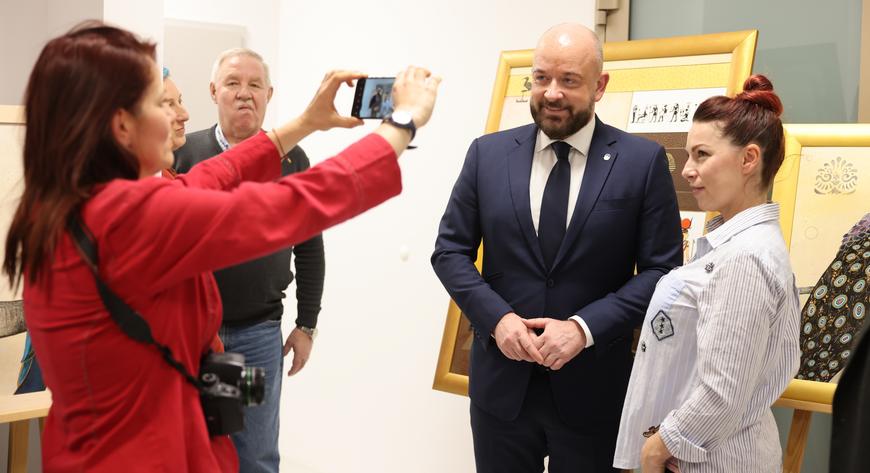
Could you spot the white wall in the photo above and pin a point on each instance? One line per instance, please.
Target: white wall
(25, 27)
(365, 403)
(143, 18)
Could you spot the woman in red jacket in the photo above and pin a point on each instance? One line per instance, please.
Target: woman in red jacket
(97, 130)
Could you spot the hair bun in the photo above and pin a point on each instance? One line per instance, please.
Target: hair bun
(758, 90)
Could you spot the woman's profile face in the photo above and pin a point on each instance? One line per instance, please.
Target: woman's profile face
(172, 98)
(714, 170)
(151, 129)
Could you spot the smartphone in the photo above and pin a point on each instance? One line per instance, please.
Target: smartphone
(373, 98)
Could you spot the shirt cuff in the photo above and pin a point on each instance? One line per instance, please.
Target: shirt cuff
(679, 446)
(582, 323)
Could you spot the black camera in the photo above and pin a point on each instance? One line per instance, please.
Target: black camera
(227, 386)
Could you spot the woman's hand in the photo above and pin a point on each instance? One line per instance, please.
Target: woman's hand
(321, 113)
(654, 455)
(414, 91)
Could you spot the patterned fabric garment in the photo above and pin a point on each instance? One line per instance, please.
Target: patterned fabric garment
(835, 311)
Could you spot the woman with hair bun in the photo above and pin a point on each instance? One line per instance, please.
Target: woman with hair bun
(719, 342)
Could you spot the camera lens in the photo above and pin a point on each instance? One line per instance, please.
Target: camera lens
(253, 386)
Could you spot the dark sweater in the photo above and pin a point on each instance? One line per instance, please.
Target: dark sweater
(253, 292)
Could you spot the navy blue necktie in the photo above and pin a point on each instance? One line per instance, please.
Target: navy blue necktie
(554, 205)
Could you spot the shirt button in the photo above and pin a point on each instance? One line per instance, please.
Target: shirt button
(550, 283)
(643, 346)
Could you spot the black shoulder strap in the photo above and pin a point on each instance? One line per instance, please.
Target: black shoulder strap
(130, 321)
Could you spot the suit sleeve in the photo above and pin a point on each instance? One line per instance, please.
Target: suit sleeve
(213, 229)
(310, 263)
(456, 247)
(659, 249)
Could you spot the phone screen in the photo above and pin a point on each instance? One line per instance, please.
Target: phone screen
(373, 98)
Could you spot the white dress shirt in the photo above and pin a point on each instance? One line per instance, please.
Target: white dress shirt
(543, 162)
(719, 344)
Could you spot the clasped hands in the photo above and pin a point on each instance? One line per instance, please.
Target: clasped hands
(559, 343)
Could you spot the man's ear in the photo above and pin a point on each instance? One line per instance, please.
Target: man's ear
(269, 94)
(601, 85)
(212, 90)
(123, 128)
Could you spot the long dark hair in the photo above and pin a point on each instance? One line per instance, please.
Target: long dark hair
(750, 117)
(80, 80)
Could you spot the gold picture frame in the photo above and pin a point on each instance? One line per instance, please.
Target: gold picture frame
(789, 184)
(722, 61)
(805, 144)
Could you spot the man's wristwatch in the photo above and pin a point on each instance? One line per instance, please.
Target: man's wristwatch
(402, 119)
(310, 331)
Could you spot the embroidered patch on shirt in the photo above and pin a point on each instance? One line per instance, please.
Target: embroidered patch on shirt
(662, 326)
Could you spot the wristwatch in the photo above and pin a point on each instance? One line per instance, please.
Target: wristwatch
(402, 119)
(310, 331)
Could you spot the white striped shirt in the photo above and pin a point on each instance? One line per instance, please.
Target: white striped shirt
(719, 345)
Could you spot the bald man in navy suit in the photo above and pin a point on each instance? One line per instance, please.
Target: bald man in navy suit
(579, 221)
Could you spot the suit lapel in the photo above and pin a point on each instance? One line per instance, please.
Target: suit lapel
(595, 175)
(519, 173)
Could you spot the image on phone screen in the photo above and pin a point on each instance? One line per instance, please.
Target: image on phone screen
(373, 97)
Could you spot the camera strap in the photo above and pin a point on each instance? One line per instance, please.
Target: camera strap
(130, 321)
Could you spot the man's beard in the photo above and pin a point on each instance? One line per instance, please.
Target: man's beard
(575, 121)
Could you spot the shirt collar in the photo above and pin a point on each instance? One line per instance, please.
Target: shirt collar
(221, 139)
(581, 140)
(719, 232)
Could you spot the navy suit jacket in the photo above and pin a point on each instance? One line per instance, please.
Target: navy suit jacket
(626, 217)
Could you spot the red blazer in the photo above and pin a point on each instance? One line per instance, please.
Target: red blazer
(116, 404)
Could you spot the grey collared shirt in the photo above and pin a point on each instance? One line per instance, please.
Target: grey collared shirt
(719, 344)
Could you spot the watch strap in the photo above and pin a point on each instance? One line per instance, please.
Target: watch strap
(310, 331)
(410, 126)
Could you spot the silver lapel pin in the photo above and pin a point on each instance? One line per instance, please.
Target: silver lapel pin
(607, 157)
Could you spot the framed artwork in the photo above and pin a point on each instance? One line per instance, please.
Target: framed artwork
(12, 177)
(822, 188)
(655, 86)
